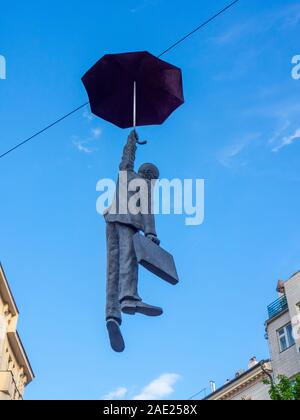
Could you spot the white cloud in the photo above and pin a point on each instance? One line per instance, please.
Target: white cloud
(287, 141)
(96, 132)
(283, 115)
(279, 132)
(282, 18)
(289, 16)
(233, 33)
(117, 394)
(84, 145)
(160, 388)
(143, 5)
(227, 155)
(230, 152)
(88, 116)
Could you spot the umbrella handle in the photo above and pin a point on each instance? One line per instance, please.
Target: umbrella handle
(142, 143)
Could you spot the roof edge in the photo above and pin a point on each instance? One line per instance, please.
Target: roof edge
(258, 365)
(6, 292)
(20, 354)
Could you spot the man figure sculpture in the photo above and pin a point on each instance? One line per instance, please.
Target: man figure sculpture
(122, 223)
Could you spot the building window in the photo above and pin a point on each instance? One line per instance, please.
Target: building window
(285, 337)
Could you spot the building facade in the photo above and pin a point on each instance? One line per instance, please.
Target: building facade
(283, 335)
(15, 370)
(247, 385)
(283, 328)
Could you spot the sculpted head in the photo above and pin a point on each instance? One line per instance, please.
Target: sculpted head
(149, 171)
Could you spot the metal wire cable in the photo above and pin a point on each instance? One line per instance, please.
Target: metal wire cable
(43, 130)
(198, 28)
(181, 40)
(203, 391)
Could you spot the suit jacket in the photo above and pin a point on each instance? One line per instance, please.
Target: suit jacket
(140, 221)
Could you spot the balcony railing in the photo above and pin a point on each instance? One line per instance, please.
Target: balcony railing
(280, 305)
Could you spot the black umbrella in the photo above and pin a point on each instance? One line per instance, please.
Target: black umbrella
(133, 89)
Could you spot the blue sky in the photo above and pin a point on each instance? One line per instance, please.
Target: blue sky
(238, 130)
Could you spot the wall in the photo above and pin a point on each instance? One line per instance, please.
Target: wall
(292, 290)
(12, 378)
(287, 362)
(256, 392)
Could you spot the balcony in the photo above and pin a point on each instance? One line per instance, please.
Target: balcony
(280, 305)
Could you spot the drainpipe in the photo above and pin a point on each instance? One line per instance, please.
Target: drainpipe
(267, 372)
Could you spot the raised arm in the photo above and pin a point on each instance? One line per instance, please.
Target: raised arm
(128, 158)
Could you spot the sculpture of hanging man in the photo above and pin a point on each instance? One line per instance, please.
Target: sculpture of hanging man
(131, 212)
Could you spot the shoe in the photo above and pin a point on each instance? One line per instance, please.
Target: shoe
(131, 307)
(115, 335)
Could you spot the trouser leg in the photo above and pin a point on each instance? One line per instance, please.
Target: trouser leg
(128, 263)
(113, 309)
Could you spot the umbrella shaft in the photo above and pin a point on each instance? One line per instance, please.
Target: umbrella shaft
(134, 105)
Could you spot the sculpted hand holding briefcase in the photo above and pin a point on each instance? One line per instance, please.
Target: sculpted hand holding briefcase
(155, 259)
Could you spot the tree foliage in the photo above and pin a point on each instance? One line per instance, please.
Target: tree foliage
(284, 389)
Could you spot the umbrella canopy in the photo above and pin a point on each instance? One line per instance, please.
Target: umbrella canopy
(132, 89)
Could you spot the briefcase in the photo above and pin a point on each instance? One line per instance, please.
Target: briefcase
(155, 259)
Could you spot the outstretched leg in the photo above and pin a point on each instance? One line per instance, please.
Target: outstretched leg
(131, 303)
(113, 310)
(128, 264)
(115, 335)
